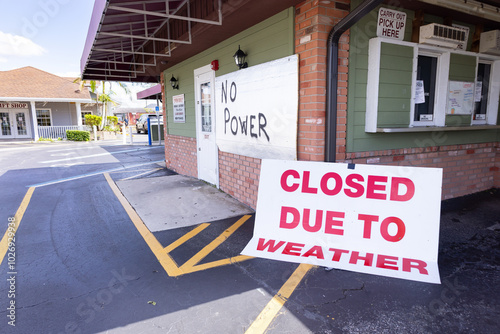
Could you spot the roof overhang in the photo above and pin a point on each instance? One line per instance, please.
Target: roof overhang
(45, 99)
(135, 40)
(150, 93)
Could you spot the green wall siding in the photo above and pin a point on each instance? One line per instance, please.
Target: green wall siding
(266, 41)
(462, 68)
(396, 66)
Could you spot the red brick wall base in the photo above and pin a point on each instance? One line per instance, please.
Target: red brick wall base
(239, 177)
(466, 168)
(180, 155)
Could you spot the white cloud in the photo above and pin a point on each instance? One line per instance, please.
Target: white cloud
(3, 60)
(15, 45)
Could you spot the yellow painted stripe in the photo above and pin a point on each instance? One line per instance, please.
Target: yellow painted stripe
(186, 237)
(4, 243)
(164, 258)
(267, 315)
(217, 263)
(214, 244)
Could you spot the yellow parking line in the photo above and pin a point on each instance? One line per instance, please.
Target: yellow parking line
(186, 237)
(267, 315)
(165, 260)
(162, 253)
(214, 244)
(4, 243)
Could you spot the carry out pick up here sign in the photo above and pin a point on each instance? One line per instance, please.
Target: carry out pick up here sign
(380, 220)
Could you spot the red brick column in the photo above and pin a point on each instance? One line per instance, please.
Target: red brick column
(180, 152)
(313, 22)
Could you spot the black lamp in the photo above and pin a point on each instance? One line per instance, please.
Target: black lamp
(239, 58)
(174, 83)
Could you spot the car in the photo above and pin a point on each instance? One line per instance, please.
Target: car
(142, 122)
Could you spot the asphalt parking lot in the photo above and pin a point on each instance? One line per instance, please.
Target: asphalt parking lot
(86, 262)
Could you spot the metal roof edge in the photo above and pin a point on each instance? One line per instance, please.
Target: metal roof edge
(94, 26)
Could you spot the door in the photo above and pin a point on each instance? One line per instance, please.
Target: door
(208, 154)
(21, 124)
(14, 124)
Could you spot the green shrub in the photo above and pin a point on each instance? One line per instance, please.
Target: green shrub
(77, 135)
(112, 120)
(111, 128)
(45, 139)
(92, 120)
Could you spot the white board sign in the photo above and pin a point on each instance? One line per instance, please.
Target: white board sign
(381, 220)
(391, 23)
(257, 110)
(179, 108)
(460, 98)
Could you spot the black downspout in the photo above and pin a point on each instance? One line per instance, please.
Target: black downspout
(332, 73)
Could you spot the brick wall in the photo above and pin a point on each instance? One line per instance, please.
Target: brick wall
(239, 177)
(180, 155)
(313, 22)
(466, 168)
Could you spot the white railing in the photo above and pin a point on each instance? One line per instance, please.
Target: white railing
(55, 132)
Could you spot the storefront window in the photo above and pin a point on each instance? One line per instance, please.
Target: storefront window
(426, 76)
(43, 117)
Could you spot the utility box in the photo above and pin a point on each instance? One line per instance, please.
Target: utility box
(490, 42)
(154, 132)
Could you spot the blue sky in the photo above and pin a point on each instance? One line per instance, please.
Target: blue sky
(49, 35)
(46, 34)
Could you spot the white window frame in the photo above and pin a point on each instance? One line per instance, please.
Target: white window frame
(50, 116)
(493, 100)
(442, 74)
(442, 81)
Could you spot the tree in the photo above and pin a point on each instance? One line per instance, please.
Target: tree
(104, 98)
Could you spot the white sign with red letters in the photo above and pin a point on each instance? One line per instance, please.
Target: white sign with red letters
(381, 220)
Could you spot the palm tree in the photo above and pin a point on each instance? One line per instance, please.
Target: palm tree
(104, 98)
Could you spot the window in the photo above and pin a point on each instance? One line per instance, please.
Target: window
(426, 80)
(413, 87)
(481, 91)
(83, 116)
(43, 117)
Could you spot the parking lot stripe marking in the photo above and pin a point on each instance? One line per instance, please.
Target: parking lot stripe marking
(4, 243)
(267, 315)
(218, 263)
(165, 260)
(93, 174)
(186, 237)
(162, 253)
(97, 155)
(191, 263)
(141, 174)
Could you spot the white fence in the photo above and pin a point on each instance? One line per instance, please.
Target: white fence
(55, 132)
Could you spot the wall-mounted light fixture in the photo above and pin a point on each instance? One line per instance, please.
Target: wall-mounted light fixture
(239, 58)
(174, 83)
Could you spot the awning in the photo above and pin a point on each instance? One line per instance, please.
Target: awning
(150, 94)
(135, 40)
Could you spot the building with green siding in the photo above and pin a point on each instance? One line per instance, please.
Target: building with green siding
(409, 83)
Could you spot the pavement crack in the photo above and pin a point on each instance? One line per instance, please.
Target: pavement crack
(344, 293)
